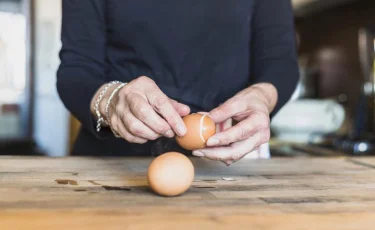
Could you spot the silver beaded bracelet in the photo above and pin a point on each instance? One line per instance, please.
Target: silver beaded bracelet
(100, 119)
(107, 107)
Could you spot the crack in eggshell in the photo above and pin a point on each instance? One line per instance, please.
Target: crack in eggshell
(201, 128)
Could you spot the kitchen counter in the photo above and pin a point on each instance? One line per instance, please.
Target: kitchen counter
(112, 193)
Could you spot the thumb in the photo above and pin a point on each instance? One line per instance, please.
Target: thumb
(225, 111)
(220, 114)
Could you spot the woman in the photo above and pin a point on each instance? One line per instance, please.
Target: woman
(232, 59)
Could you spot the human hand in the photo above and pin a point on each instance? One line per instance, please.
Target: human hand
(141, 112)
(250, 108)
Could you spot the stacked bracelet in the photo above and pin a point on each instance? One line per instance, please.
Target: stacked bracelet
(107, 107)
(97, 102)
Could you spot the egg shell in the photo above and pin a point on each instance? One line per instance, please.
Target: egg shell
(170, 174)
(200, 127)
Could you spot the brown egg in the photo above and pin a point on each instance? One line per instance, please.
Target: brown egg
(200, 127)
(170, 174)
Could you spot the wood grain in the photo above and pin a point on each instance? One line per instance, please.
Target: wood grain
(112, 193)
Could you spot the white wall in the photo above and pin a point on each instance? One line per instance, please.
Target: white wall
(51, 119)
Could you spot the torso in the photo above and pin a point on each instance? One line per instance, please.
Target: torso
(197, 51)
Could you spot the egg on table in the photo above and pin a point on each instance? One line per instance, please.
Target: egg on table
(170, 174)
(199, 127)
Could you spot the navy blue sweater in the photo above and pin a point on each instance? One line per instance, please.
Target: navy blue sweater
(199, 52)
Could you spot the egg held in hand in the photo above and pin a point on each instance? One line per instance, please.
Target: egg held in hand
(170, 174)
(199, 127)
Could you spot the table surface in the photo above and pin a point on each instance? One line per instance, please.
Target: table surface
(112, 193)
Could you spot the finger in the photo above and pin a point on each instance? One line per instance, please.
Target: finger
(143, 111)
(241, 116)
(161, 104)
(256, 122)
(232, 107)
(182, 110)
(233, 152)
(119, 128)
(130, 137)
(138, 128)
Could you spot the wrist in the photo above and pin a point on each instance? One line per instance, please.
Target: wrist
(267, 93)
(104, 99)
(97, 105)
(112, 100)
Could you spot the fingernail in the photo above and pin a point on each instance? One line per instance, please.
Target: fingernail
(169, 133)
(181, 129)
(198, 154)
(186, 107)
(212, 142)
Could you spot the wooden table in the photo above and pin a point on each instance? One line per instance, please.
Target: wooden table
(100, 193)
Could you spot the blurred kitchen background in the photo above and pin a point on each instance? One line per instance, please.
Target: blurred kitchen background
(330, 113)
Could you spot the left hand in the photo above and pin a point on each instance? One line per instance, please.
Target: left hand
(251, 109)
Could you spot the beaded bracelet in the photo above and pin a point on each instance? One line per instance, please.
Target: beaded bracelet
(107, 107)
(97, 102)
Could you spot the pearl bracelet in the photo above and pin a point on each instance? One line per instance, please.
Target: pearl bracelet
(107, 107)
(97, 102)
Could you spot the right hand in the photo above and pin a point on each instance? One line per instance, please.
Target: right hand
(141, 112)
